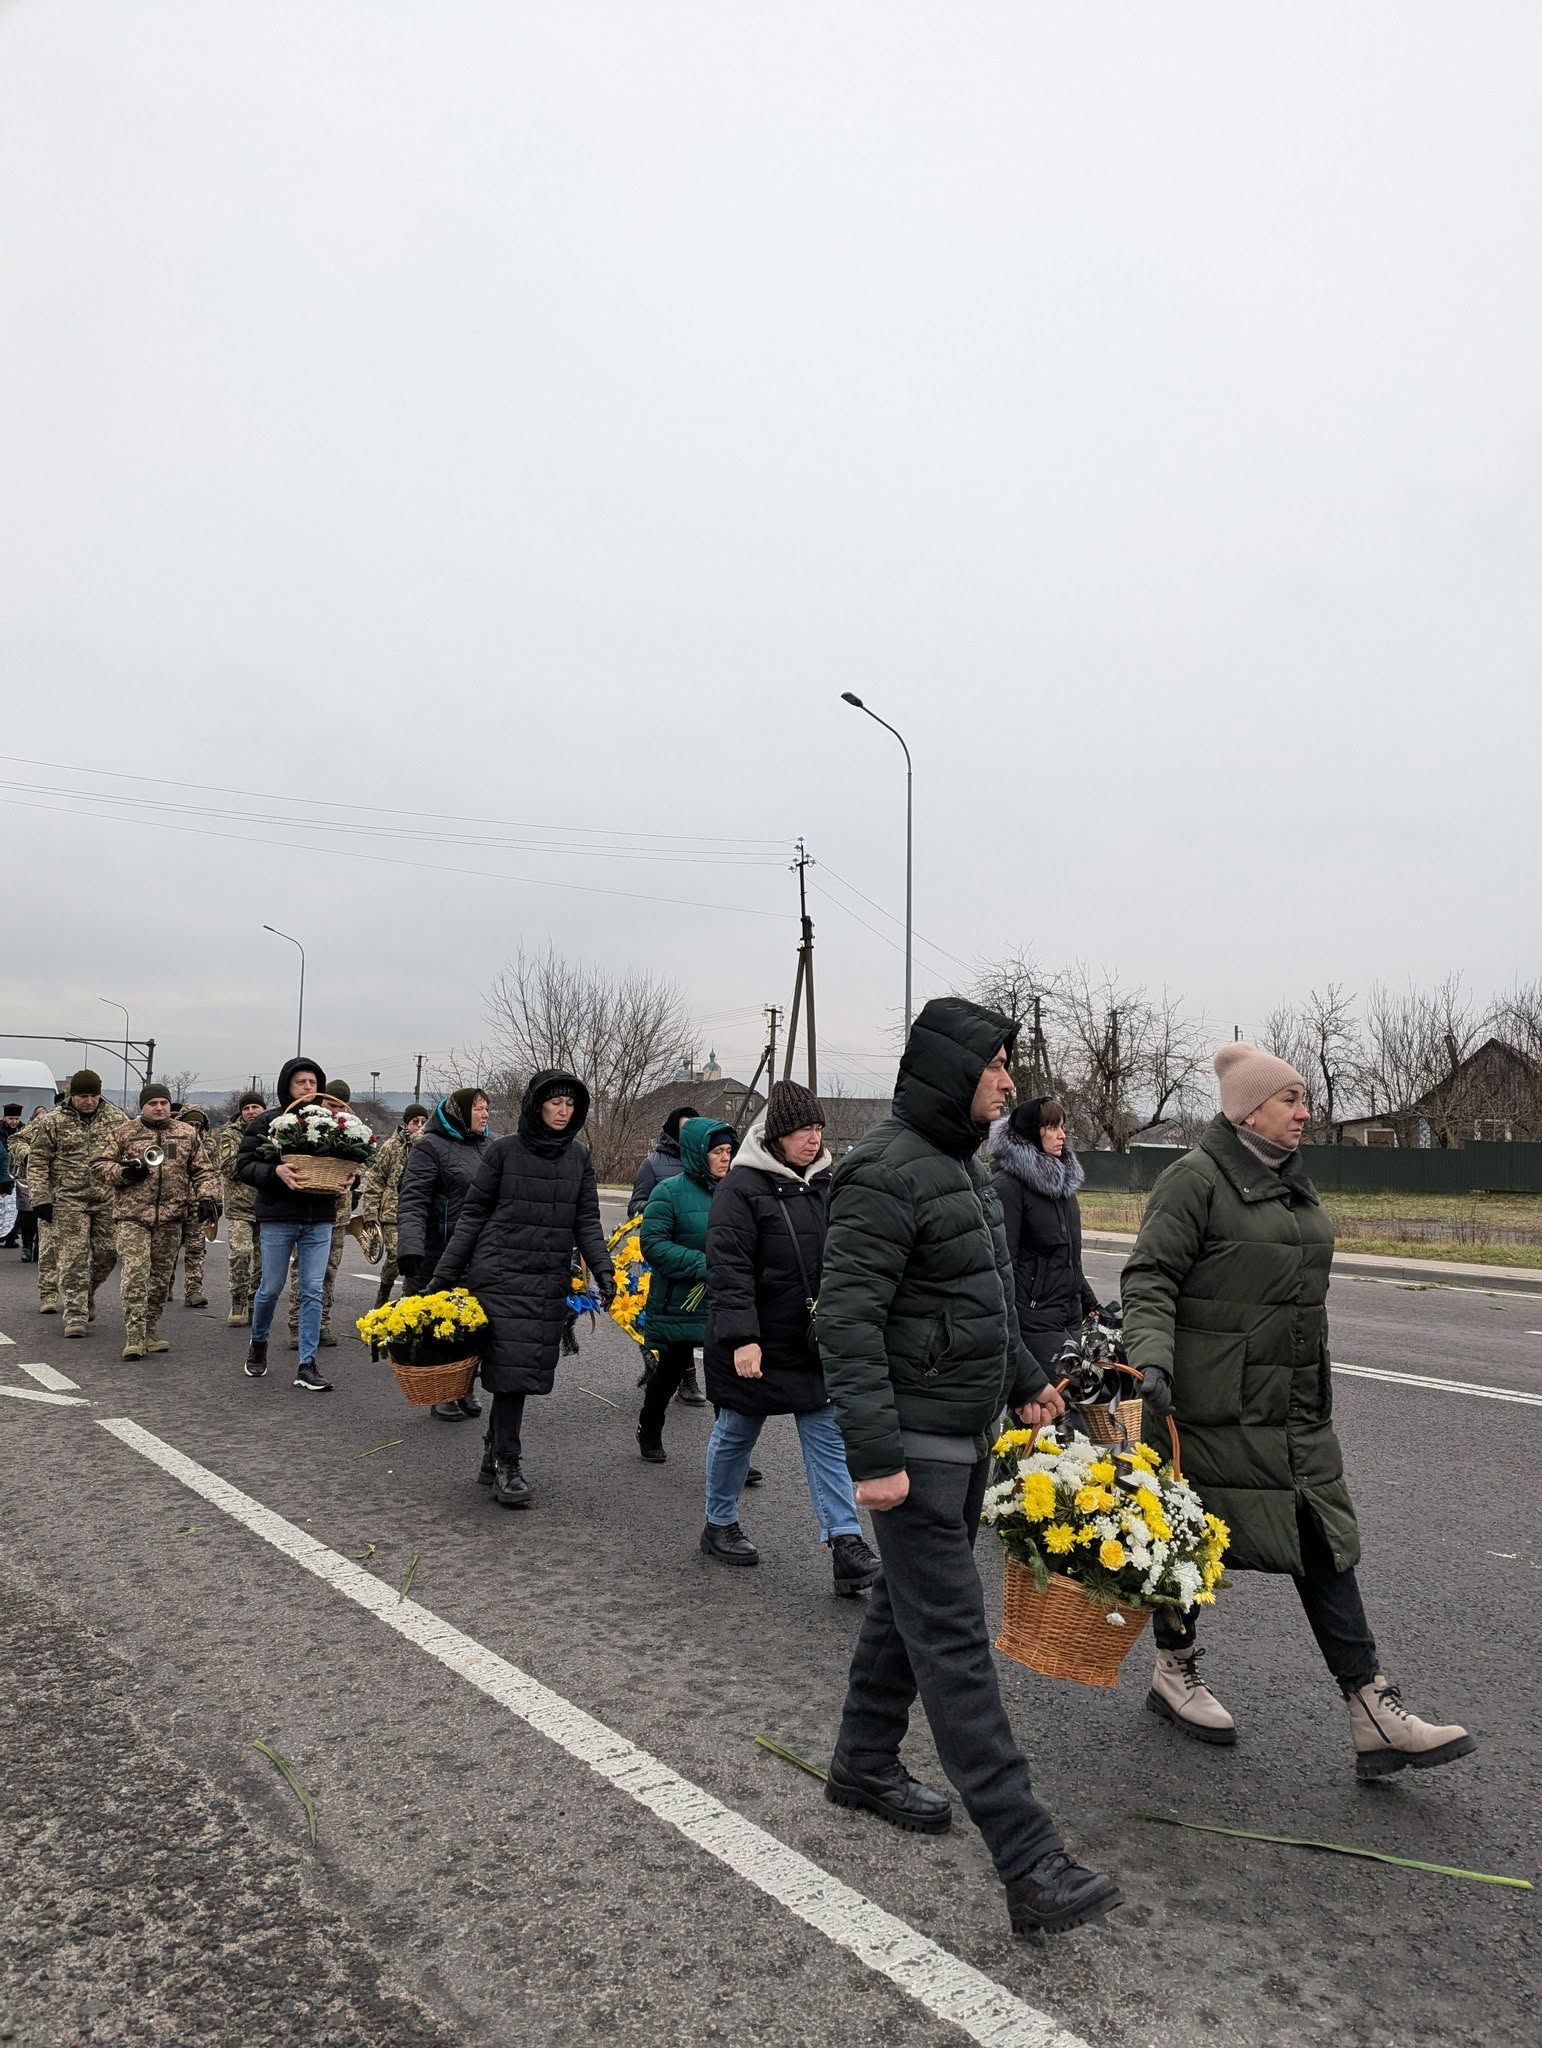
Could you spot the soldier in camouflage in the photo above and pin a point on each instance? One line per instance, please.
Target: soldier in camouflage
(241, 1232)
(382, 1186)
(197, 1234)
(150, 1205)
(67, 1195)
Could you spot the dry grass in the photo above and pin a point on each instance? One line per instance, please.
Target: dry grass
(1488, 1230)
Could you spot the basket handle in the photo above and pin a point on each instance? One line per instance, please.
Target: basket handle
(1172, 1427)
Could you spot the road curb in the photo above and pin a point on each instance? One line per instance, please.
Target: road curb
(1443, 1272)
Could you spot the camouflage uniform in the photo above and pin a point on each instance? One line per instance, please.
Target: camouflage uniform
(195, 1235)
(47, 1245)
(241, 1232)
(382, 1186)
(149, 1216)
(60, 1163)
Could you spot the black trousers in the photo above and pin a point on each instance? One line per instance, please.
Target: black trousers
(504, 1426)
(26, 1224)
(674, 1362)
(1333, 1607)
(925, 1631)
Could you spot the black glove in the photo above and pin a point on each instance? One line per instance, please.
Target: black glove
(1156, 1390)
(133, 1171)
(208, 1209)
(7, 1187)
(607, 1293)
(43, 1211)
(410, 1264)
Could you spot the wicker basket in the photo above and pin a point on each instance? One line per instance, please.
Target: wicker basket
(1061, 1631)
(317, 1173)
(1104, 1429)
(424, 1385)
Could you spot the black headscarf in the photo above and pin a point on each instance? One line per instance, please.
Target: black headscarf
(1024, 1121)
(535, 1134)
(673, 1121)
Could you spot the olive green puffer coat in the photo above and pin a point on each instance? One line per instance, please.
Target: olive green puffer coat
(917, 1315)
(1226, 1289)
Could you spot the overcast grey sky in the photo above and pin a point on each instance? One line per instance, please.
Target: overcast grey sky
(540, 412)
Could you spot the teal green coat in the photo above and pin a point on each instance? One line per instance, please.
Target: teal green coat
(1226, 1289)
(674, 1237)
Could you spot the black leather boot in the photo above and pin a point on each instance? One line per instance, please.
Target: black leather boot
(1059, 1893)
(728, 1544)
(511, 1489)
(903, 1801)
(853, 1564)
(689, 1393)
(651, 1444)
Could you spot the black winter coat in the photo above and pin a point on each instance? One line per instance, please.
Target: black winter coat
(533, 1200)
(917, 1315)
(1044, 1236)
(755, 1288)
(276, 1203)
(435, 1182)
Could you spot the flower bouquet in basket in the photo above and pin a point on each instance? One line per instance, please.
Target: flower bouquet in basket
(432, 1341)
(1095, 1538)
(321, 1141)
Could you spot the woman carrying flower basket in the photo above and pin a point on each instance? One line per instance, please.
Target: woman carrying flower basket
(1224, 1300)
(534, 1197)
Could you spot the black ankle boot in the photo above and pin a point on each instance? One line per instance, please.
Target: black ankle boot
(651, 1444)
(256, 1359)
(1058, 1893)
(903, 1801)
(511, 1489)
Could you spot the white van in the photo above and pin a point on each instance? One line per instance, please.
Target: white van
(28, 1082)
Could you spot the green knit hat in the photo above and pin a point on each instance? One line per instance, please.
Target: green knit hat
(340, 1090)
(85, 1083)
(253, 1097)
(152, 1091)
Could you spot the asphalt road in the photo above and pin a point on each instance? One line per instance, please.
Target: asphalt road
(491, 1866)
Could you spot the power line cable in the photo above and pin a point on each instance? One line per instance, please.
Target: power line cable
(931, 943)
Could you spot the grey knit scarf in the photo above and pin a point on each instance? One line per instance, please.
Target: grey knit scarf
(1264, 1149)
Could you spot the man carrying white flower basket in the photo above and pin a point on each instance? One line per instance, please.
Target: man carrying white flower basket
(297, 1157)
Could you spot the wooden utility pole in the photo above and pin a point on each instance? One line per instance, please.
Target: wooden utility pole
(803, 986)
(417, 1086)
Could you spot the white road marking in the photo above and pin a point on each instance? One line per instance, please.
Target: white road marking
(47, 1376)
(6, 1340)
(1413, 1379)
(946, 1985)
(53, 1400)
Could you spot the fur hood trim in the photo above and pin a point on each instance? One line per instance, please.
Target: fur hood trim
(1034, 1168)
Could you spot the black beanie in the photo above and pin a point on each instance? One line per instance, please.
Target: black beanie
(152, 1091)
(789, 1108)
(675, 1119)
(11, 1109)
(86, 1082)
(254, 1096)
(413, 1109)
(340, 1091)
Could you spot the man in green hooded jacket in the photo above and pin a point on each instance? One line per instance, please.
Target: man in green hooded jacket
(921, 1351)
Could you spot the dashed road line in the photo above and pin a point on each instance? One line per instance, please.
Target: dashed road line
(1413, 1379)
(41, 1394)
(48, 1376)
(933, 1976)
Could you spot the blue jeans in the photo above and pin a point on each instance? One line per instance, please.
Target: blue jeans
(824, 1465)
(312, 1244)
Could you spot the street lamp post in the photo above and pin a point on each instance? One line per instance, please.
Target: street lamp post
(300, 1021)
(850, 697)
(374, 1085)
(123, 1097)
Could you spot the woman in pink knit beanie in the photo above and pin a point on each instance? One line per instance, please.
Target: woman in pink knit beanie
(1225, 1313)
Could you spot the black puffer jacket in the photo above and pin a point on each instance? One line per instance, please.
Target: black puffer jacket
(1043, 1221)
(435, 1182)
(533, 1199)
(754, 1285)
(917, 1321)
(276, 1203)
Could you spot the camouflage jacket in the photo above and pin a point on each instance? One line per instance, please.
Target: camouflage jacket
(240, 1199)
(168, 1192)
(64, 1151)
(383, 1182)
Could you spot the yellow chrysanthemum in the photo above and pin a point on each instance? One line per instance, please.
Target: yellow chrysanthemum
(1102, 1473)
(1038, 1496)
(1088, 1499)
(1012, 1440)
(1058, 1538)
(1087, 1533)
(1110, 1555)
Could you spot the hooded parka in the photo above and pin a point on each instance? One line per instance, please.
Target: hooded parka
(662, 1163)
(756, 1290)
(674, 1236)
(277, 1203)
(435, 1181)
(1226, 1290)
(533, 1199)
(917, 1320)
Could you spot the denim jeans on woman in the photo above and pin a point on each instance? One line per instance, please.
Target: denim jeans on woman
(312, 1246)
(824, 1465)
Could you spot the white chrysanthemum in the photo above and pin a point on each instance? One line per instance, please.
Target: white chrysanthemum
(1188, 1581)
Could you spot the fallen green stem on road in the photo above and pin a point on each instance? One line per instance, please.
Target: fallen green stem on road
(363, 1556)
(788, 1757)
(388, 1446)
(406, 1585)
(287, 1771)
(1203, 1827)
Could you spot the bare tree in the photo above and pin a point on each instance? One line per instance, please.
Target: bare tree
(1017, 987)
(1418, 1046)
(1128, 1062)
(622, 1034)
(182, 1084)
(478, 1066)
(1321, 1039)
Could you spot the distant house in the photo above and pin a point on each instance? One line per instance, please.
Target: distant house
(1494, 1096)
(718, 1095)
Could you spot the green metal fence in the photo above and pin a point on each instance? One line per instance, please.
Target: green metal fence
(1368, 1169)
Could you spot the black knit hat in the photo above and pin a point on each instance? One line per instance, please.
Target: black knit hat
(11, 1109)
(790, 1108)
(86, 1082)
(254, 1097)
(152, 1091)
(413, 1109)
(675, 1119)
